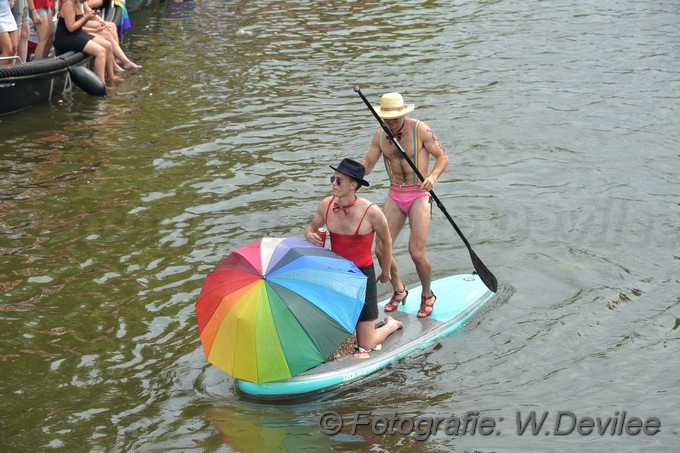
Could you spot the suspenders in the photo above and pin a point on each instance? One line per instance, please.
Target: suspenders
(415, 152)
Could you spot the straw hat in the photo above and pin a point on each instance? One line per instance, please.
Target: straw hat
(392, 106)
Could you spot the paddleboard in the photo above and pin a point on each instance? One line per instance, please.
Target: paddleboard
(458, 298)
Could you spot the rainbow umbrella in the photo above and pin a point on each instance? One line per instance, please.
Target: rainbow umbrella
(278, 307)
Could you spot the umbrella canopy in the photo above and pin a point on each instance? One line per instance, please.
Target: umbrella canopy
(278, 307)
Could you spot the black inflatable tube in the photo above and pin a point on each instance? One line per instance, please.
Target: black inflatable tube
(87, 81)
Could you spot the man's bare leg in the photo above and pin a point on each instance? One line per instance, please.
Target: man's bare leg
(395, 220)
(368, 337)
(419, 222)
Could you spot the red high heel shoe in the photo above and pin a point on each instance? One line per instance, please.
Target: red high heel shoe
(393, 304)
(425, 308)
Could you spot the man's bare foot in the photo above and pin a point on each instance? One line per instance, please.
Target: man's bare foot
(391, 321)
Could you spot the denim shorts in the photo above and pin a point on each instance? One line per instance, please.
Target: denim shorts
(42, 12)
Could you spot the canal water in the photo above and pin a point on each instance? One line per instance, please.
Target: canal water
(560, 120)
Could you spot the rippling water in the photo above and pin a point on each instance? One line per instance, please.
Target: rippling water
(560, 120)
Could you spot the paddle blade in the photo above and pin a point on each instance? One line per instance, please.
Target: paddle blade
(484, 273)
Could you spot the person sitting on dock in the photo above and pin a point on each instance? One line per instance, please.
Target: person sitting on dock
(70, 36)
(352, 223)
(107, 30)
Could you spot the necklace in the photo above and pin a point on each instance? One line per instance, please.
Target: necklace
(344, 209)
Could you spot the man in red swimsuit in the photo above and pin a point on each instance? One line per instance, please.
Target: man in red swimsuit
(408, 197)
(352, 222)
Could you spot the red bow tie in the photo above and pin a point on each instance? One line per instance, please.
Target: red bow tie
(397, 135)
(345, 209)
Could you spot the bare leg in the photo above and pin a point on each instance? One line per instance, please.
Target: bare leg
(111, 27)
(103, 33)
(14, 42)
(368, 337)
(395, 220)
(117, 50)
(110, 73)
(120, 54)
(94, 4)
(419, 221)
(6, 44)
(45, 36)
(99, 53)
(24, 31)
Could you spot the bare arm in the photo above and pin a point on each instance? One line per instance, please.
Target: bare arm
(379, 224)
(433, 146)
(68, 12)
(87, 9)
(373, 154)
(34, 14)
(317, 222)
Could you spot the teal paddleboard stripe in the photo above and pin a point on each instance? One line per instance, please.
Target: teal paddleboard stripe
(458, 298)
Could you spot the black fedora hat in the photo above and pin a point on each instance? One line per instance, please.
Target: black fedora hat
(352, 168)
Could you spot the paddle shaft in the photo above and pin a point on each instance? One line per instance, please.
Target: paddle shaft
(484, 273)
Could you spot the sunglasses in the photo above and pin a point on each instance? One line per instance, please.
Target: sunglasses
(337, 180)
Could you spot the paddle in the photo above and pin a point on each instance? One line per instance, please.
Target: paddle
(484, 273)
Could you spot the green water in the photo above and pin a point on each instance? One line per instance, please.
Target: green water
(560, 121)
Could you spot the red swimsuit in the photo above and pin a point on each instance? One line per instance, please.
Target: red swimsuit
(356, 247)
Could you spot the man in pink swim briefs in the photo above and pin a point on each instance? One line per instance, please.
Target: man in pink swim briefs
(407, 197)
